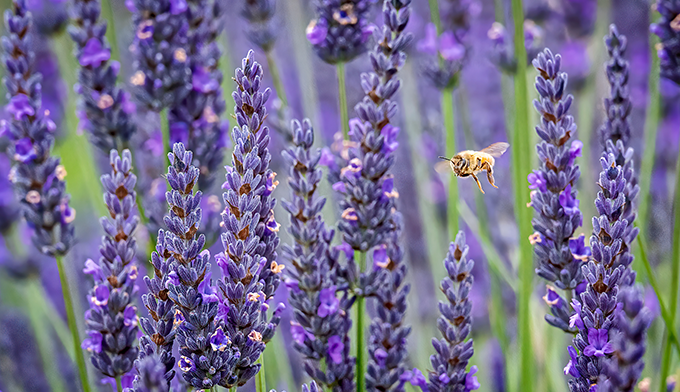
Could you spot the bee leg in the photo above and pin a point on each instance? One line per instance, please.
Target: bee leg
(478, 183)
(489, 175)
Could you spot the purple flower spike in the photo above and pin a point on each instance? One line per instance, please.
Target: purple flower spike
(338, 34)
(455, 350)
(262, 25)
(250, 271)
(102, 102)
(37, 177)
(196, 119)
(315, 273)
(554, 197)
(111, 312)
(669, 34)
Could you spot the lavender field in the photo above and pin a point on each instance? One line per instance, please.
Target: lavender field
(340, 195)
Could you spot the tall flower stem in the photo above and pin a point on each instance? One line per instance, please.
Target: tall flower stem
(434, 15)
(342, 96)
(276, 77)
(165, 130)
(72, 324)
(450, 136)
(110, 16)
(520, 165)
(361, 330)
(119, 385)
(260, 380)
(675, 278)
(42, 335)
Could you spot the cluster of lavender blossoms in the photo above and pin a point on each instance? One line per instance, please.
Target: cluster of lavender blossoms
(668, 30)
(37, 177)
(341, 29)
(321, 321)
(195, 119)
(617, 124)
(503, 53)
(150, 375)
(206, 355)
(250, 272)
(105, 109)
(162, 75)
(554, 196)
(111, 321)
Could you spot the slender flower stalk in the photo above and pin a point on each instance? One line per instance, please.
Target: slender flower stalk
(104, 109)
(195, 120)
(364, 181)
(554, 195)
(111, 321)
(249, 268)
(455, 349)
(632, 320)
(595, 307)
(321, 323)
(37, 177)
(206, 355)
(520, 169)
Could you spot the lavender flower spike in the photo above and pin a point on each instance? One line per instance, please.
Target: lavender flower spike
(249, 267)
(454, 351)
(632, 321)
(261, 25)
(111, 321)
(595, 307)
(368, 189)
(387, 343)
(341, 30)
(195, 120)
(321, 320)
(618, 106)
(554, 195)
(206, 355)
(162, 75)
(668, 30)
(104, 108)
(151, 376)
(38, 178)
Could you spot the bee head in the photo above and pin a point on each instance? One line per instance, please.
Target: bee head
(459, 162)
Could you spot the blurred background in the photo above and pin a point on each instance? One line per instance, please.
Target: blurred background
(483, 106)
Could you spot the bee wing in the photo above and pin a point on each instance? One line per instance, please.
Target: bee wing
(496, 149)
(443, 167)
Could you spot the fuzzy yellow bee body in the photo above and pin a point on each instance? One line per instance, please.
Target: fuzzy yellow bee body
(468, 163)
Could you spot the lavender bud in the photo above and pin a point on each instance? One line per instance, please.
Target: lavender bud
(111, 322)
(321, 320)
(618, 106)
(38, 178)
(249, 267)
(668, 31)
(162, 75)
(104, 108)
(206, 355)
(454, 323)
(341, 29)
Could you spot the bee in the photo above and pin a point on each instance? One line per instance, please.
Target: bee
(469, 163)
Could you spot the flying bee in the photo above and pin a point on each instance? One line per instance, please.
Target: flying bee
(469, 163)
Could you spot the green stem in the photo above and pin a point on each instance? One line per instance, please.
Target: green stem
(342, 96)
(520, 163)
(119, 385)
(260, 382)
(667, 358)
(232, 389)
(42, 334)
(434, 15)
(72, 324)
(165, 131)
(450, 136)
(109, 15)
(276, 79)
(361, 328)
(641, 253)
(651, 128)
